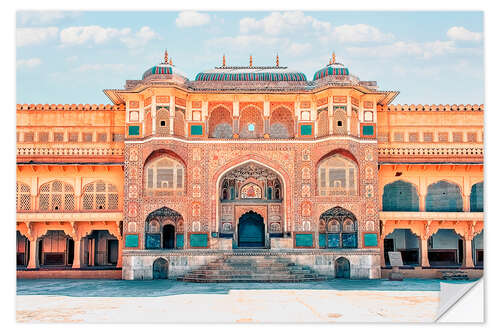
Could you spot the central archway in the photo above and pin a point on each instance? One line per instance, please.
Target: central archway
(251, 230)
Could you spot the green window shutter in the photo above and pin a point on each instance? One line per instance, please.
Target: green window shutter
(371, 240)
(180, 241)
(198, 240)
(305, 129)
(304, 240)
(131, 240)
(196, 130)
(368, 130)
(133, 130)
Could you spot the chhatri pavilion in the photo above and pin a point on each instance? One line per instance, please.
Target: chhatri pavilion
(256, 162)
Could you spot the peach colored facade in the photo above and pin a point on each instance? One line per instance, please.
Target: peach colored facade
(254, 158)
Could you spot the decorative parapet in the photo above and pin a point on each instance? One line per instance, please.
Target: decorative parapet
(434, 107)
(468, 151)
(432, 216)
(68, 107)
(73, 217)
(73, 150)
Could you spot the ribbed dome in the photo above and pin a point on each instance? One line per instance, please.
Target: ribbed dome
(251, 74)
(332, 69)
(162, 69)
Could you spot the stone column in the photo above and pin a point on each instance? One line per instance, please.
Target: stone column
(32, 263)
(77, 255)
(120, 249)
(468, 262)
(424, 255)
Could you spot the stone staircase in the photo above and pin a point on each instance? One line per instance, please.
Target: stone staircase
(252, 269)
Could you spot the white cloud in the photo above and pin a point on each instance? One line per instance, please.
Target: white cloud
(98, 35)
(360, 33)
(30, 36)
(91, 33)
(43, 17)
(100, 68)
(462, 34)
(28, 63)
(191, 19)
(424, 50)
(280, 23)
(249, 43)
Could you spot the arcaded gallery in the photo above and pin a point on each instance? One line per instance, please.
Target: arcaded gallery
(192, 179)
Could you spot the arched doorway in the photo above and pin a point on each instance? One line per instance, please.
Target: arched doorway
(160, 269)
(251, 231)
(168, 236)
(342, 268)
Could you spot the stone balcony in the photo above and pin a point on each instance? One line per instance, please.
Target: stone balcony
(434, 216)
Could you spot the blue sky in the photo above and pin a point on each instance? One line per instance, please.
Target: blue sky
(70, 57)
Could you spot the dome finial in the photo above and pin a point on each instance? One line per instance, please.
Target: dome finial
(170, 63)
(251, 62)
(223, 60)
(166, 57)
(277, 60)
(333, 57)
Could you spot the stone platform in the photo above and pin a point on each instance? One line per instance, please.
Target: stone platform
(138, 264)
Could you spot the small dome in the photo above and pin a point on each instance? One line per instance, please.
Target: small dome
(331, 69)
(162, 69)
(251, 74)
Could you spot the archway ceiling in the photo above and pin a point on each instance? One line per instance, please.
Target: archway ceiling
(251, 170)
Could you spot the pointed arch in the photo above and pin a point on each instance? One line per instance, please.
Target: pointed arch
(443, 196)
(56, 195)
(400, 196)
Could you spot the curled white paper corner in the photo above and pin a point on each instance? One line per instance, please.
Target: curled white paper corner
(450, 294)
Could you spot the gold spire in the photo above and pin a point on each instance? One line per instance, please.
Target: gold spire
(333, 57)
(166, 57)
(223, 60)
(251, 62)
(277, 60)
(170, 63)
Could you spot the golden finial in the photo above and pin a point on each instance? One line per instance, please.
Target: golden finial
(333, 57)
(223, 60)
(277, 60)
(166, 57)
(170, 63)
(251, 63)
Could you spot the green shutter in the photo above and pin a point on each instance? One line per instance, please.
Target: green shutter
(198, 240)
(368, 130)
(305, 129)
(180, 241)
(196, 130)
(133, 130)
(371, 240)
(131, 240)
(304, 240)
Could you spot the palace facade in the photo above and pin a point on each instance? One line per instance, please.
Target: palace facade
(248, 160)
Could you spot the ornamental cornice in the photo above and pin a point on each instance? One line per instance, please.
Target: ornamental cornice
(435, 216)
(68, 151)
(77, 216)
(246, 253)
(409, 151)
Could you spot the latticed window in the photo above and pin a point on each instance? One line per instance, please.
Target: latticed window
(117, 137)
(457, 137)
(413, 137)
(56, 196)
(58, 137)
(164, 176)
(28, 137)
(471, 137)
(73, 137)
(428, 137)
(398, 137)
(23, 196)
(100, 196)
(443, 137)
(102, 137)
(87, 137)
(43, 137)
(337, 176)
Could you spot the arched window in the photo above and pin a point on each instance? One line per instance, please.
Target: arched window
(337, 175)
(23, 197)
(476, 197)
(443, 196)
(164, 176)
(341, 228)
(282, 123)
(400, 196)
(56, 196)
(100, 196)
(220, 123)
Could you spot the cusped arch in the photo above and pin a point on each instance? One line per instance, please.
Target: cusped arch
(251, 122)
(56, 195)
(164, 173)
(282, 123)
(444, 196)
(220, 122)
(400, 196)
(476, 197)
(99, 195)
(337, 173)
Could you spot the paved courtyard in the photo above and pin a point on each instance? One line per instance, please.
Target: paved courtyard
(102, 301)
